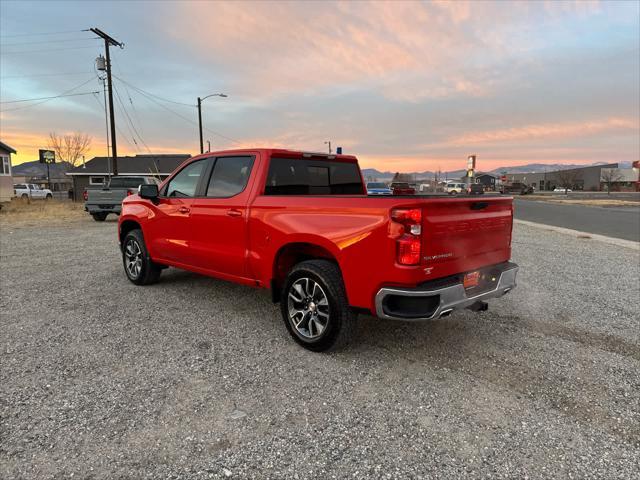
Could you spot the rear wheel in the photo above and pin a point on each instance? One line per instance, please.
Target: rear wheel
(99, 216)
(138, 266)
(49, 196)
(315, 308)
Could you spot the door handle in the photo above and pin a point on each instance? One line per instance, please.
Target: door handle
(234, 213)
(183, 210)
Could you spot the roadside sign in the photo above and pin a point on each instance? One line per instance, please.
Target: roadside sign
(47, 156)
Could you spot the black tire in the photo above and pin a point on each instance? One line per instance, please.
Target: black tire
(48, 197)
(340, 325)
(147, 272)
(25, 196)
(99, 216)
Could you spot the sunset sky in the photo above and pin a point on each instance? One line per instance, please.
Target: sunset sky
(403, 85)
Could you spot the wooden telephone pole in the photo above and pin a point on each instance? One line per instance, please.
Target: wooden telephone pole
(109, 41)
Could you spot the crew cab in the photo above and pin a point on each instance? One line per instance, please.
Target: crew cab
(31, 191)
(301, 224)
(100, 202)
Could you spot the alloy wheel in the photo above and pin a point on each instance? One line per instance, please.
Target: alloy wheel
(133, 258)
(308, 308)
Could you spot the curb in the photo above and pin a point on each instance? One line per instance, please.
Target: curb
(619, 242)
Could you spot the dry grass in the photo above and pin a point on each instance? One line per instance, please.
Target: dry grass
(40, 212)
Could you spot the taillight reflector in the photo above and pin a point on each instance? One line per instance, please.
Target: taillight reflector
(408, 250)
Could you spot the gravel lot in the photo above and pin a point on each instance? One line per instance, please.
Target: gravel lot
(197, 378)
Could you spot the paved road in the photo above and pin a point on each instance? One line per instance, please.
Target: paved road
(195, 378)
(619, 222)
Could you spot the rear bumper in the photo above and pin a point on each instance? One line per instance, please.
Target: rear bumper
(440, 297)
(98, 208)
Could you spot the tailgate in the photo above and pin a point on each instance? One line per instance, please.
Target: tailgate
(463, 234)
(106, 195)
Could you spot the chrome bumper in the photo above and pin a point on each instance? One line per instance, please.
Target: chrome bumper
(446, 299)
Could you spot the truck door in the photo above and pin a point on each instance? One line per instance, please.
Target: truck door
(169, 231)
(219, 217)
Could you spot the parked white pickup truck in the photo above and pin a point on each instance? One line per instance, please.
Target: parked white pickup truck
(32, 191)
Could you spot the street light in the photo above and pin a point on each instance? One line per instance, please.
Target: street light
(200, 115)
(328, 142)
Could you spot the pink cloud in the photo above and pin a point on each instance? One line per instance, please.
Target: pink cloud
(549, 130)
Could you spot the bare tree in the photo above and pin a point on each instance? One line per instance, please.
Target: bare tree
(609, 176)
(70, 147)
(568, 179)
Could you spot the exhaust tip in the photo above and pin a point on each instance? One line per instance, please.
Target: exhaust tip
(445, 313)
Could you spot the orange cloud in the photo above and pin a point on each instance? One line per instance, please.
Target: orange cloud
(540, 131)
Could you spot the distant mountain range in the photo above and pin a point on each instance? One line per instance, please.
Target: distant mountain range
(455, 174)
(37, 169)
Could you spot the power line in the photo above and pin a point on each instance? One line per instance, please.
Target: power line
(48, 98)
(129, 119)
(45, 75)
(47, 50)
(41, 33)
(150, 98)
(189, 120)
(50, 41)
(51, 98)
(153, 95)
(117, 128)
(133, 107)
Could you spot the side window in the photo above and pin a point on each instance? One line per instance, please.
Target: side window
(184, 184)
(5, 168)
(230, 176)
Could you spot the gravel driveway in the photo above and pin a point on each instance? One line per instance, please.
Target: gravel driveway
(197, 378)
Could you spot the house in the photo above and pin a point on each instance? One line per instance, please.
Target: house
(6, 180)
(96, 172)
(487, 180)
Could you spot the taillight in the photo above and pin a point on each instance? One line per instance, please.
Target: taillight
(85, 195)
(129, 192)
(409, 243)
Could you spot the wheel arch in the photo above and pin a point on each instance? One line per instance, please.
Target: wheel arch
(291, 254)
(126, 226)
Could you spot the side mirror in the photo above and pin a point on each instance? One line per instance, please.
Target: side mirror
(148, 191)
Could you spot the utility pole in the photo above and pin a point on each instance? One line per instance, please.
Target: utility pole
(200, 123)
(109, 41)
(328, 142)
(200, 115)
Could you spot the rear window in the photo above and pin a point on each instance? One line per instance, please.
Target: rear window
(312, 177)
(376, 185)
(128, 182)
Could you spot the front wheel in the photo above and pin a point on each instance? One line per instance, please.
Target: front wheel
(48, 197)
(315, 308)
(138, 266)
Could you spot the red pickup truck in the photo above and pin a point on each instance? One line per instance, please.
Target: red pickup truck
(302, 225)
